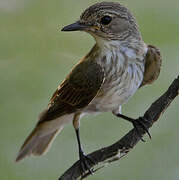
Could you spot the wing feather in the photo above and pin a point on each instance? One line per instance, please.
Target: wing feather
(76, 91)
(152, 65)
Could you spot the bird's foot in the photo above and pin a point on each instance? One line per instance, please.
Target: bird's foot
(137, 123)
(85, 163)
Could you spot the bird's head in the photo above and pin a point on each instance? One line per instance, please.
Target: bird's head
(107, 21)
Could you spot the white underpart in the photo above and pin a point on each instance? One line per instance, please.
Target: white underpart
(122, 86)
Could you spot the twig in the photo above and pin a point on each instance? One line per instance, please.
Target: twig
(126, 143)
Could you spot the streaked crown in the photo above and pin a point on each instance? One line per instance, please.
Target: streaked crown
(107, 20)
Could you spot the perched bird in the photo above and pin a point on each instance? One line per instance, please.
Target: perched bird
(118, 64)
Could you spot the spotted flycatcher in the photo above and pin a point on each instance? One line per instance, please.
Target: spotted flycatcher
(118, 64)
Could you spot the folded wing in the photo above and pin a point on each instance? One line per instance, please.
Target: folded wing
(152, 65)
(77, 90)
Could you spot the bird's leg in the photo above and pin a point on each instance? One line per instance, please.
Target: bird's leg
(85, 161)
(136, 123)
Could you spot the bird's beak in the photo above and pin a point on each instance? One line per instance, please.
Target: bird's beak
(77, 26)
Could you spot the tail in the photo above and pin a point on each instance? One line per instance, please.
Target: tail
(41, 138)
(36, 145)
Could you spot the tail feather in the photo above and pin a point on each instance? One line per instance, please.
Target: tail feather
(40, 139)
(36, 145)
(45, 144)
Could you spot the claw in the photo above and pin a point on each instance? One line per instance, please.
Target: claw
(137, 123)
(85, 163)
(145, 128)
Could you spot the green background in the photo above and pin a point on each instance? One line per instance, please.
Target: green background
(35, 57)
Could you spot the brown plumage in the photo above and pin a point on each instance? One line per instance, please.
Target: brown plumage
(153, 64)
(118, 64)
(77, 91)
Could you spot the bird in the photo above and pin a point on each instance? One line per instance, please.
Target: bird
(118, 64)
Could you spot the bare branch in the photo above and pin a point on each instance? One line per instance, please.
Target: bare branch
(126, 143)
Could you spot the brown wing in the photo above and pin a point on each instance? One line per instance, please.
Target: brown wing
(152, 65)
(77, 90)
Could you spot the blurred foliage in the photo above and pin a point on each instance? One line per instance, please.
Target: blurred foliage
(35, 57)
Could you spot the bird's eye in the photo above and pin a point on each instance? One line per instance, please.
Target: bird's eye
(106, 20)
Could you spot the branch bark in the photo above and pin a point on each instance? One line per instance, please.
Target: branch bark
(127, 142)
